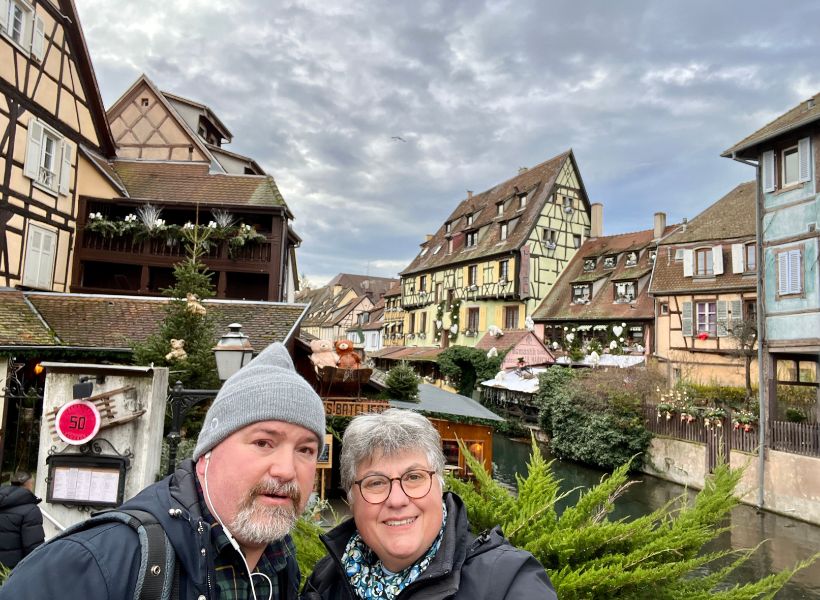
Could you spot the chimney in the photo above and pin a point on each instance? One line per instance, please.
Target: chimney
(809, 103)
(428, 237)
(596, 225)
(522, 170)
(683, 222)
(660, 224)
(469, 194)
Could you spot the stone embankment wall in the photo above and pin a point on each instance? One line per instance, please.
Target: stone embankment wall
(791, 481)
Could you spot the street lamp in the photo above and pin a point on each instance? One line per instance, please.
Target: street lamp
(232, 352)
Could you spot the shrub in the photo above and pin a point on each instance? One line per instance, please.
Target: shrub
(403, 383)
(659, 556)
(794, 415)
(595, 416)
(466, 366)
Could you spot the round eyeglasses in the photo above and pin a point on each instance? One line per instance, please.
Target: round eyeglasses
(415, 484)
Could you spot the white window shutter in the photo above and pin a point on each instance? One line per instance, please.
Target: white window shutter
(65, 169)
(46, 261)
(688, 262)
(795, 272)
(737, 313)
(783, 273)
(722, 318)
(768, 171)
(34, 149)
(4, 15)
(38, 39)
(32, 266)
(737, 258)
(804, 159)
(686, 319)
(717, 260)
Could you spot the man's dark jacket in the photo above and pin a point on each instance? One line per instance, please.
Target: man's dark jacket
(465, 566)
(21, 524)
(103, 563)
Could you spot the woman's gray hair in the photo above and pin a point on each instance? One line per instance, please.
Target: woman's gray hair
(388, 434)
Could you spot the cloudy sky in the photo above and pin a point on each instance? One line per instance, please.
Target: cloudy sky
(647, 94)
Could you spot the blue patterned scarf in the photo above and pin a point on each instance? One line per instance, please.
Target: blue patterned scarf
(370, 580)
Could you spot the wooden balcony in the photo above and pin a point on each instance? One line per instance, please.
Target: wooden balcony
(160, 251)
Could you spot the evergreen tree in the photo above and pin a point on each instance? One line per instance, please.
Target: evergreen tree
(198, 369)
(403, 383)
(659, 556)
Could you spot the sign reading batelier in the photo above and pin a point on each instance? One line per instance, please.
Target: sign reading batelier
(77, 422)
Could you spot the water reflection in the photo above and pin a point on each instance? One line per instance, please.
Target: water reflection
(789, 541)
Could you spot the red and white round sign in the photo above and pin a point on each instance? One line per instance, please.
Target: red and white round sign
(77, 422)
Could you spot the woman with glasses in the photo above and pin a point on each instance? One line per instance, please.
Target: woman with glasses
(407, 538)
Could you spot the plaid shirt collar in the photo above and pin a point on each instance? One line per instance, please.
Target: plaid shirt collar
(229, 570)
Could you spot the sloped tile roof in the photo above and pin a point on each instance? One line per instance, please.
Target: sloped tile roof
(505, 342)
(668, 276)
(19, 324)
(364, 283)
(107, 321)
(733, 216)
(170, 182)
(536, 181)
(327, 303)
(557, 306)
(804, 113)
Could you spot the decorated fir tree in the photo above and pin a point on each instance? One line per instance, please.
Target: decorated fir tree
(403, 383)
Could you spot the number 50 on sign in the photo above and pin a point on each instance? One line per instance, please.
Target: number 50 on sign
(77, 422)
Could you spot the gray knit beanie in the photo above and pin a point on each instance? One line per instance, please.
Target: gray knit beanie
(267, 389)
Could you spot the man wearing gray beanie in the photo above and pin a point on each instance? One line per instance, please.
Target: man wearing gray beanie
(227, 512)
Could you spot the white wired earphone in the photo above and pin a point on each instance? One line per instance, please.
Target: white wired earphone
(230, 537)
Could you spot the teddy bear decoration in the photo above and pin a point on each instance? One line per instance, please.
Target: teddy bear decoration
(177, 352)
(323, 354)
(193, 305)
(348, 357)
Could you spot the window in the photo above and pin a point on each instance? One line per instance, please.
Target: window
(449, 246)
(504, 230)
(423, 283)
(703, 262)
(581, 294)
(550, 237)
(625, 291)
(576, 240)
(610, 261)
(48, 158)
(790, 161)
(472, 319)
(500, 208)
(40, 250)
(652, 255)
(631, 259)
(510, 317)
(522, 201)
(19, 22)
(411, 323)
(469, 220)
(589, 264)
(422, 323)
(471, 239)
(436, 249)
(567, 205)
(664, 308)
(423, 251)
(750, 258)
(707, 318)
(472, 275)
(447, 227)
(750, 310)
(504, 270)
(789, 272)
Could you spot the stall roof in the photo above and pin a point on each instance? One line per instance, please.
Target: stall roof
(436, 400)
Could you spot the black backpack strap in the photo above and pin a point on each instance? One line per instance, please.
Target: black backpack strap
(157, 560)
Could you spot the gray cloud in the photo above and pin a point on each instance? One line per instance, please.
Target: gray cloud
(646, 93)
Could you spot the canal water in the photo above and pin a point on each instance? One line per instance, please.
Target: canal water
(787, 541)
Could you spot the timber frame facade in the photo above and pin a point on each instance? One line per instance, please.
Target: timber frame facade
(51, 117)
(496, 256)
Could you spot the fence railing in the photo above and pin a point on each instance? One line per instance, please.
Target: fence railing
(797, 438)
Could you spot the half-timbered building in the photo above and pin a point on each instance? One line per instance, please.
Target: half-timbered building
(51, 121)
(496, 256)
(704, 285)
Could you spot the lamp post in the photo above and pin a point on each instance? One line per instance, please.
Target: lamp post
(232, 352)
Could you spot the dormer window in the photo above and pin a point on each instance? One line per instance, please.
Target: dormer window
(500, 209)
(631, 259)
(522, 201)
(652, 255)
(610, 261)
(589, 264)
(471, 239)
(504, 227)
(437, 248)
(625, 291)
(423, 251)
(469, 220)
(581, 293)
(448, 226)
(703, 262)
(791, 166)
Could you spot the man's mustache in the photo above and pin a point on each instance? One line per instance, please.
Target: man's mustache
(274, 487)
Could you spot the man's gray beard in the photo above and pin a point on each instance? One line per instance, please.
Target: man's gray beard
(259, 524)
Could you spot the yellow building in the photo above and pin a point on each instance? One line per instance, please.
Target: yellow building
(703, 282)
(496, 256)
(51, 123)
